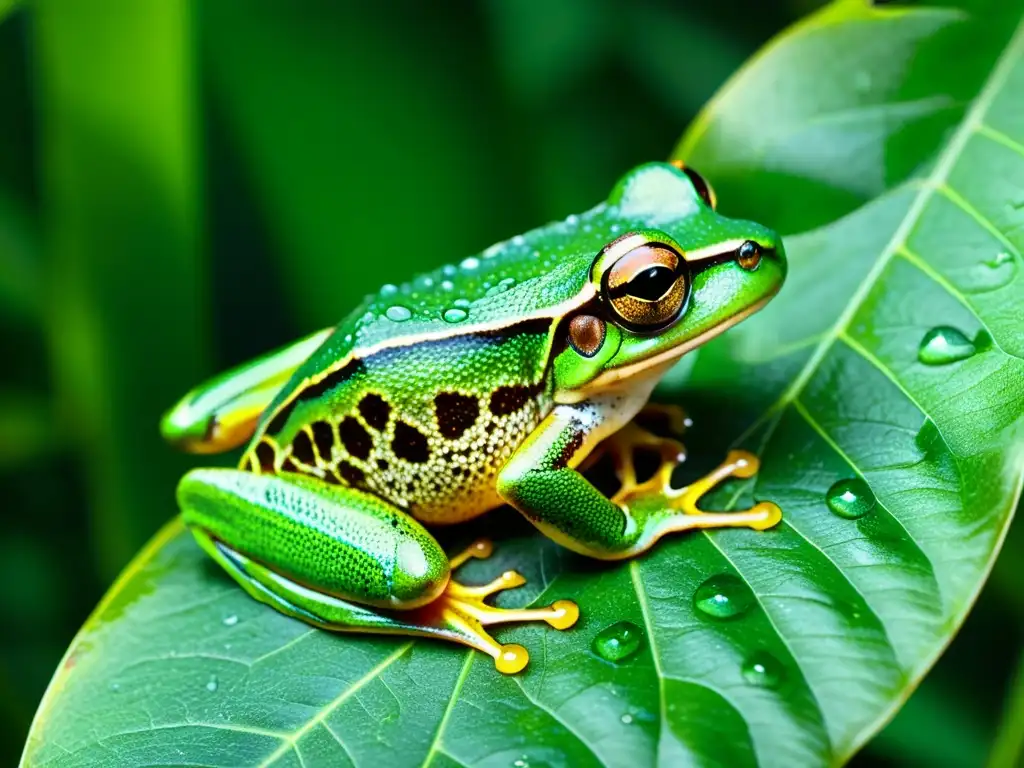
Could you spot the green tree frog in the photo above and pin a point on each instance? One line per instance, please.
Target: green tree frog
(475, 385)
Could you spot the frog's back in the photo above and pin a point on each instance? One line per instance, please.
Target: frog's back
(424, 391)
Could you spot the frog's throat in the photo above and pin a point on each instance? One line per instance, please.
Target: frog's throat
(614, 376)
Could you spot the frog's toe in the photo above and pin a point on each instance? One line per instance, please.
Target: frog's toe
(461, 613)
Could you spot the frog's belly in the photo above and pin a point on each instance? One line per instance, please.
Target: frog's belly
(447, 476)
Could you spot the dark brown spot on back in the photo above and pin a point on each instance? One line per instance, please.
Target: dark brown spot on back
(506, 400)
(265, 455)
(455, 413)
(382, 465)
(355, 438)
(289, 466)
(375, 411)
(351, 474)
(323, 438)
(410, 444)
(302, 449)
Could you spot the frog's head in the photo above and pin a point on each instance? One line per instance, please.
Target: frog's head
(679, 275)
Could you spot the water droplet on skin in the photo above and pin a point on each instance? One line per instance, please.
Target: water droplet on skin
(423, 282)
(471, 263)
(398, 313)
(211, 685)
(626, 719)
(389, 289)
(521, 762)
(462, 303)
(230, 621)
(723, 597)
(447, 285)
(518, 240)
(618, 642)
(449, 270)
(943, 345)
(572, 219)
(115, 687)
(507, 283)
(614, 228)
(850, 498)
(455, 315)
(763, 670)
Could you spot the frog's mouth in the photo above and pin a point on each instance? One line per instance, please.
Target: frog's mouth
(610, 378)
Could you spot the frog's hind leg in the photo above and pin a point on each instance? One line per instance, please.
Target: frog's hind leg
(222, 413)
(344, 560)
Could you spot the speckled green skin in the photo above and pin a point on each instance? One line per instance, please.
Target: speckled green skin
(440, 398)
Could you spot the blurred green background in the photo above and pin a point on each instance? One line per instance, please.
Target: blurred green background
(184, 185)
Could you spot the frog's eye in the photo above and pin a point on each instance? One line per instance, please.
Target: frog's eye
(647, 287)
(700, 184)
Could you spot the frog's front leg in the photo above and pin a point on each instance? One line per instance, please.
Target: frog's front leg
(345, 560)
(542, 482)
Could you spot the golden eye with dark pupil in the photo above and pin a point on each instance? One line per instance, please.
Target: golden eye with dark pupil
(646, 287)
(649, 284)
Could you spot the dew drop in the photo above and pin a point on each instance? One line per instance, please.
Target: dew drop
(423, 282)
(447, 285)
(518, 240)
(115, 687)
(943, 345)
(230, 621)
(462, 303)
(626, 719)
(521, 762)
(850, 498)
(723, 597)
(211, 684)
(618, 642)
(572, 220)
(763, 670)
(471, 263)
(388, 289)
(398, 313)
(455, 315)
(449, 270)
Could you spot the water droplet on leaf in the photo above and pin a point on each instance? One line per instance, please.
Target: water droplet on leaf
(211, 685)
(763, 670)
(943, 345)
(471, 263)
(618, 642)
(398, 313)
(850, 498)
(230, 621)
(723, 597)
(455, 315)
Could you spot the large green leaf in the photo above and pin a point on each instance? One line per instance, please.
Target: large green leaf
(850, 103)
(177, 666)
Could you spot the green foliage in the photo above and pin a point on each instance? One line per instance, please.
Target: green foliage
(843, 378)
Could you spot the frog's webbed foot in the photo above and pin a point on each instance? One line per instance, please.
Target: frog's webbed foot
(460, 613)
(685, 514)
